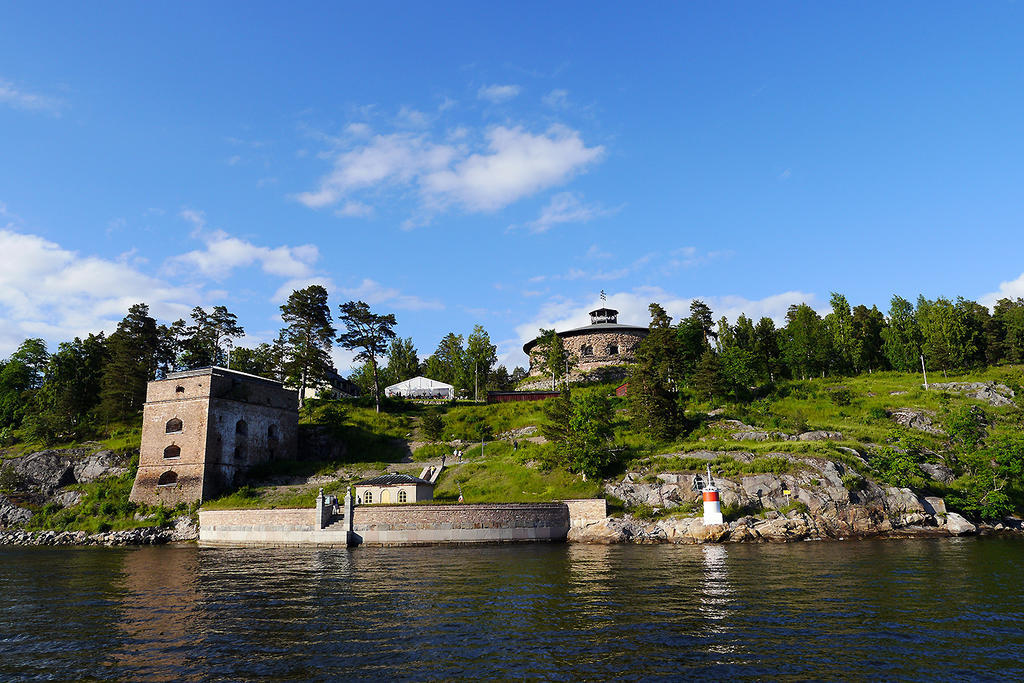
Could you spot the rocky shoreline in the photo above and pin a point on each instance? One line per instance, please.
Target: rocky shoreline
(775, 527)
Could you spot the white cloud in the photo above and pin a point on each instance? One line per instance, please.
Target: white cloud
(497, 94)
(286, 289)
(509, 164)
(556, 99)
(55, 293)
(22, 99)
(395, 159)
(354, 209)
(565, 207)
(375, 294)
(224, 253)
(1011, 289)
(517, 164)
(196, 218)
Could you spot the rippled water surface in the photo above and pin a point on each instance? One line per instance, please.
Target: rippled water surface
(923, 609)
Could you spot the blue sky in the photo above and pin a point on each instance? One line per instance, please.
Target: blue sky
(463, 163)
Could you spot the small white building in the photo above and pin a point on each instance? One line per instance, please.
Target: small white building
(421, 387)
(393, 488)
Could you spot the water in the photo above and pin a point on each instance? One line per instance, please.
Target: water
(921, 609)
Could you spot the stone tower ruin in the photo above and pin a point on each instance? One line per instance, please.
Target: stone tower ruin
(202, 428)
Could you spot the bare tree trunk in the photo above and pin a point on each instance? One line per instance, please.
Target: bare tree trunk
(302, 388)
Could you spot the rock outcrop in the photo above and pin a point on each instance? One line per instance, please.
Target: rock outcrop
(921, 420)
(990, 392)
(818, 499)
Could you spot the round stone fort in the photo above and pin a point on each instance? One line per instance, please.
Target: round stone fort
(601, 344)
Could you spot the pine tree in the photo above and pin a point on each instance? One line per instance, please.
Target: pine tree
(133, 349)
(369, 333)
(306, 339)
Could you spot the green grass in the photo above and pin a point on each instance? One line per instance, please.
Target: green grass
(502, 475)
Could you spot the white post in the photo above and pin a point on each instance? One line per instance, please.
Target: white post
(924, 372)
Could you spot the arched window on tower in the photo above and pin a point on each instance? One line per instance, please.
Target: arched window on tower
(172, 451)
(613, 349)
(168, 478)
(173, 425)
(587, 351)
(241, 428)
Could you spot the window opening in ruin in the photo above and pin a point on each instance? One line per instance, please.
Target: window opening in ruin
(172, 452)
(168, 478)
(402, 497)
(173, 425)
(368, 497)
(240, 451)
(613, 349)
(179, 389)
(272, 433)
(587, 350)
(241, 428)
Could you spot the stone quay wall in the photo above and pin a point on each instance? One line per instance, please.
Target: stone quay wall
(402, 524)
(456, 524)
(266, 527)
(586, 511)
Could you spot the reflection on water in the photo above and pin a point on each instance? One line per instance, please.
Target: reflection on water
(909, 610)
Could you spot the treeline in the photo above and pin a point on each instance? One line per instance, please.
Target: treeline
(721, 361)
(88, 384)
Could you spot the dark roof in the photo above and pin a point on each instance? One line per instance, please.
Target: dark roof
(588, 329)
(392, 480)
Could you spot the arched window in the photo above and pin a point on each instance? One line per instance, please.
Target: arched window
(272, 433)
(168, 478)
(241, 428)
(173, 425)
(402, 498)
(613, 349)
(368, 497)
(172, 451)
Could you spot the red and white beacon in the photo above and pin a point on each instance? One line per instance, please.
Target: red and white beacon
(712, 503)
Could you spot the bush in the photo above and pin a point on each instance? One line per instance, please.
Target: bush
(878, 413)
(432, 426)
(841, 397)
(854, 482)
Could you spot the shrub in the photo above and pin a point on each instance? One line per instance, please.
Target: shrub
(878, 413)
(432, 426)
(841, 397)
(854, 482)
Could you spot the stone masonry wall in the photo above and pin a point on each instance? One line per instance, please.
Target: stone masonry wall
(599, 342)
(265, 527)
(213, 447)
(431, 524)
(163, 405)
(585, 511)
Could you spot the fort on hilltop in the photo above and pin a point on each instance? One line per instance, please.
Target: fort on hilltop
(601, 344)
(202, 428)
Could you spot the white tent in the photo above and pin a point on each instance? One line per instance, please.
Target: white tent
(421, 387)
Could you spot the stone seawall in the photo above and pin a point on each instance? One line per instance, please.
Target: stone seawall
(266, 527)
(455, 524)
(400, 524)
